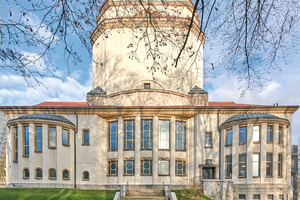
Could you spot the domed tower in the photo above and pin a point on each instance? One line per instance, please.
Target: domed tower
(143, 45)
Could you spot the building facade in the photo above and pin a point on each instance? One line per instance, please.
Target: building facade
(143, 132)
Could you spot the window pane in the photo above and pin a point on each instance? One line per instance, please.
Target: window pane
(255, 165)
(85, 175)
(26, 173)
(279, 134)
(180, 136)
(129, 134)
(65, 136)
(256, 133)
(65, 174)
(113, 167)
(26, 140)
(38, 138)
(256, 196)
(208, 142)
(52, 137)
(242, 197)
(180, 167)
(279, 165)
(228, 167)
(242, 165)
(242, 134)
(163, 142)
(113, 136)
(229, 136)
(129, 167)
(39, 173)
(16, 144)
(146, 167)
(163, 167)
(52, 173)
(269, 133)
(270, 197)
(269, 165)
(86, 135)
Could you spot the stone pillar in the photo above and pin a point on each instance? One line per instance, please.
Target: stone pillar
(137, 150)
(59, 154)
(9, 155)
(190, 149)
(45, 166)
(20, 153)
(275, 153)
(120, 150)
(263, 152)
(222, 155)
(31, 151)
(197, 145)
(235, 153)
(249, 155)
(155, 150)
(172, 149)
(284, 159)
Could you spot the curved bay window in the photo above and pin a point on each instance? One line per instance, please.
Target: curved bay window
(113, 136)
(129, 134)
(146, 134)
(180, 136)
(146, 167)
(128, 167)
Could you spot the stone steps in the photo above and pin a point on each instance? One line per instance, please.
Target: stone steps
(145, 198)
(145, 194)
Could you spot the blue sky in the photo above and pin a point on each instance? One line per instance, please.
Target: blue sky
(283, 87)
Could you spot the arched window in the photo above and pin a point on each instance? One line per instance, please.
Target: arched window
(65, 174)
(26, 173)
(52, 173)
(85, 175)
(39, 173)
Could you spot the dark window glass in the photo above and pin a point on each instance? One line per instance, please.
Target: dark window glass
(65, 137)
(269, 133)
(242, 134)
(228, 166)
(180, 136)
(269, 165)
(242, 165)
(39, 173)
(146, 167)
(26, 173)
(113, 167)
(86, 137)
(52, 137)
(65, 174)
(146, 134)
(180, 167)
(256, 197)
(129, 134)
(26, 140)
(113, 136)
(242, 197)
(279, 165)
(16, 144)
(279, 134)
(86, 176)
(229, 136)
(146, 85)
(38, 138)
(129, 167)
(52, 173)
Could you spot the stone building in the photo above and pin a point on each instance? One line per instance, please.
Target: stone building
(143, 132)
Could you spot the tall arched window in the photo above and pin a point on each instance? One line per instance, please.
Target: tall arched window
(39, 173)
(65, 174)
(52, 173)
(85, 176)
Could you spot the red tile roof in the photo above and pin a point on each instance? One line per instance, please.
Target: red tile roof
(83, 104)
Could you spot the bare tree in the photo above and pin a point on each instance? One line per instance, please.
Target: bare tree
(252, 36)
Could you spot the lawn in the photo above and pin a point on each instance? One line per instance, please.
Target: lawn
(54, 193)
(185, 195)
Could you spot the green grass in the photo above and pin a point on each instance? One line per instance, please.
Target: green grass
(54, 193)
(181, 195)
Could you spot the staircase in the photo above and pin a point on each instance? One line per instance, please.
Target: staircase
(144, 194)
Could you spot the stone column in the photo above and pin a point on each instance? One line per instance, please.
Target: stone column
(235, 153)
(284, 159)
(249, 155)
(45, 166)
(137, 150)
(197, 145)
(263, 152)
(10, 166)
(222, 155)
(172, 149)
(59, 154)
(190, 149)
(31, 151)
(20, 153)
(275, 153)
(155, 150)
(120, 150)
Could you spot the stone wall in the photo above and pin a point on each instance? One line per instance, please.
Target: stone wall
(294, 167)
(218, 189)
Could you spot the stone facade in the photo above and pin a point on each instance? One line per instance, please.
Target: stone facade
(295, 170)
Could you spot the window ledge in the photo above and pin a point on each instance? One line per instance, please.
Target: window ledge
(52, 178)
(242, 143)
(112, 150)
(163, 149)
(180, 150)
(163, 174)
(228, 178)
(270, 142)
(256, 177)
(146, 174)
(38, 151)
(280, 143)
(38, 178)
(25, 156)
(128, 149)
(228, 145)
(85, 179)
(26, 178)
(66, 145)
(146, 149)
(256, 142)
(128, 174)
(181, 175)
(112, 175)
(242, 177)
(209, 147)
(66, 179)
(51, 147)
(85, 144)
(15, 161)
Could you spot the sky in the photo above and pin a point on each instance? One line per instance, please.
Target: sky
(283, 87)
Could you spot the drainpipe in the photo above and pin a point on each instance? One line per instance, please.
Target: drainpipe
(218, 124)
(76, 130)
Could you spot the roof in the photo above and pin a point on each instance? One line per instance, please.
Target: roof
(57, 118)
(60, 104)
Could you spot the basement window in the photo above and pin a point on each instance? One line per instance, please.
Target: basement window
(146, 85)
